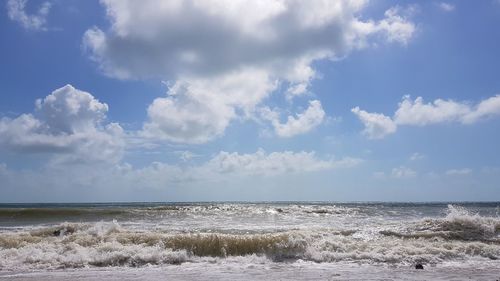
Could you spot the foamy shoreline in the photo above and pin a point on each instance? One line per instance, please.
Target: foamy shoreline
(301, 270)
(238, 241)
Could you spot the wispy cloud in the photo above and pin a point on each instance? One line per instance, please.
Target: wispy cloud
(447, 7)
(222, 167)
(16, 10)
(416, 156)
(403, 172)
(400, 172)
(455, 172)
(186, 155)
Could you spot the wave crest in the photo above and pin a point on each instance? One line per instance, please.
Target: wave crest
(460, 235)
(460, 224)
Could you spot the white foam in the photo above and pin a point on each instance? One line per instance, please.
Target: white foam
(459, 236)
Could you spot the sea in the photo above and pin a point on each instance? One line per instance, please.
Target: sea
(250, 241)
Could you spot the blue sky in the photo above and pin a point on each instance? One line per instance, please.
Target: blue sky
(234, 100)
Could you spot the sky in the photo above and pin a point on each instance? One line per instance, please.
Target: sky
(265, 100)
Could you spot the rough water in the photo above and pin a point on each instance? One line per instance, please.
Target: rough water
(292, 240)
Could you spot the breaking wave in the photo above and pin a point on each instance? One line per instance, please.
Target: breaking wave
(74, 245)
(459, 224)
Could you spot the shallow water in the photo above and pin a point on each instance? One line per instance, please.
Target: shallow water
(236, 270)
(293, 240)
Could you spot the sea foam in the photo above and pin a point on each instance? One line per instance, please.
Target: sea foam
(458, 236)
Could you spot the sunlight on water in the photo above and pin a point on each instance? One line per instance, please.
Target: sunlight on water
(400, 235)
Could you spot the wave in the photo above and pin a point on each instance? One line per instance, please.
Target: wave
(34, 213)
(73, 245)
(459, 224)
(98, 213)
(460, 235)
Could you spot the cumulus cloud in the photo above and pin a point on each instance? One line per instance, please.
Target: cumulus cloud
(151, 38)
(69, 110)
(16, 9)
(487, 108)
(197, 110)
(209, 49)
(299, 124)
(395, 26)
(418, 113)
(377, 125)
(68, 122)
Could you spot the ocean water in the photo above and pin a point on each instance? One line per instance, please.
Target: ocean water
(248, 241)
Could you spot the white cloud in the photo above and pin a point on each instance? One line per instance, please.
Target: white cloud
(416, 156)
(487, 108)
(396, 27)
(262, 163)
(400, 172)
(296, 90)
(68, 122)
(420, 114)
(447, 7)
(16, 10)
(403, 172)
(295, 125)
(417, 113)
(226, 57)
(225, 166)
(117, 179)
(151, 38)
(377, 125)
(199, 110)
(186, 155)
(68, 110)
(456, 172)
